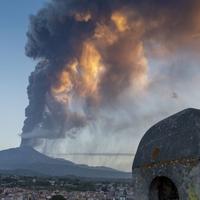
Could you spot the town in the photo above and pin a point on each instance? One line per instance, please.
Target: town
(70, 188)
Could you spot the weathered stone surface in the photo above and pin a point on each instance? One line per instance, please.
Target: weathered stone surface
(170, 149)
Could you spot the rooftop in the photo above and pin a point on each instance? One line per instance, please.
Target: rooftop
(176, 137)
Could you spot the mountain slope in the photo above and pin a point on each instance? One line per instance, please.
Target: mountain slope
(26, 158)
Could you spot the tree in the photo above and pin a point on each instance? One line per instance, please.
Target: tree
(58, 197)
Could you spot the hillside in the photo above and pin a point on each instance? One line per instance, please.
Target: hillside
(30, 161)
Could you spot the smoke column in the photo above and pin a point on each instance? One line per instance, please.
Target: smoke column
(97, 68)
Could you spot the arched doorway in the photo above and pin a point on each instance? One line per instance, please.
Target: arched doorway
(162, 188)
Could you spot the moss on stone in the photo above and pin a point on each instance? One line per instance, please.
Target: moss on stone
(192, 194)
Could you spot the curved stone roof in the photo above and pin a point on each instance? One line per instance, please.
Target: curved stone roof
(176, 137)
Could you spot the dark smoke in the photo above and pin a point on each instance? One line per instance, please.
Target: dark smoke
(57, 35)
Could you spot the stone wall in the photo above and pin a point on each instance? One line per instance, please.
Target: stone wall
(185, 174)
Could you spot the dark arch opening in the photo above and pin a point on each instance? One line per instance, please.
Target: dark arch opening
(162, 188)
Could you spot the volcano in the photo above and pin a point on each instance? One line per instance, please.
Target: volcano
(27, 161)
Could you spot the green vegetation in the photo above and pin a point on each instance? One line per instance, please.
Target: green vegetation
(58, 197)
(192, 194)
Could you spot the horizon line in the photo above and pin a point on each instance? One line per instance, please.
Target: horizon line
(96, 154)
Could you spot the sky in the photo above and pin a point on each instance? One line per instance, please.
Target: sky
(15, 67)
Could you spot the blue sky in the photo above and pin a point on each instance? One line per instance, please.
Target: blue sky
(15, 67)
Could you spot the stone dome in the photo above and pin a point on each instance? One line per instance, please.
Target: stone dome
(174, 138)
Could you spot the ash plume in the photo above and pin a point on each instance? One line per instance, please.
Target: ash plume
(95, 60)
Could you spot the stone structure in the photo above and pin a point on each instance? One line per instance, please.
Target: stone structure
(167, 162)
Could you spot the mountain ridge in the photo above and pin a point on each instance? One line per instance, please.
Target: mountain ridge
(30, 160)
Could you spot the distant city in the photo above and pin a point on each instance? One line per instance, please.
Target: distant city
(44, 188)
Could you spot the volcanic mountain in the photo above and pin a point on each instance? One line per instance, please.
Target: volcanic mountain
(27, 161)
